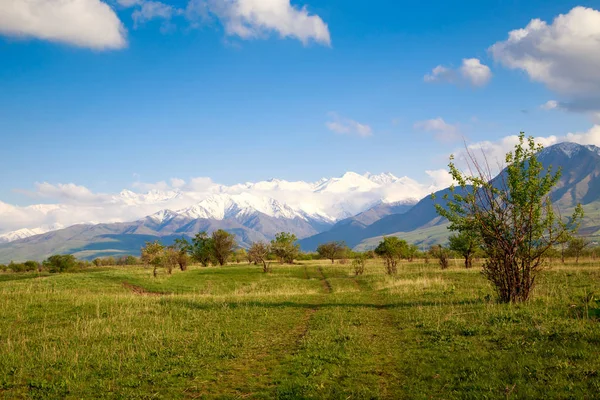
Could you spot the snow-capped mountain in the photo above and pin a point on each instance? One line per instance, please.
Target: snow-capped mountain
(25, 233)
(324, 201)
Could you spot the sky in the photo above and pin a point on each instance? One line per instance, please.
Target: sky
(105, 95)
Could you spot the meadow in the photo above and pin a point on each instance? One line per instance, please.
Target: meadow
(310, 330)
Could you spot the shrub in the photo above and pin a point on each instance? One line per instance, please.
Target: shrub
(61, 263)
(358, 263)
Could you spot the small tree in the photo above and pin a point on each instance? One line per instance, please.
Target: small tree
(358, 263)
(153, 255)
(511, 215)
(576, 246)
(466, 244)
(183, 248)
(391, 249)
(201, 249)
(332, 250)
(223, 245)
(285, 247)
(410, 252)
(441, 254)
(170, 258)
(258, 254)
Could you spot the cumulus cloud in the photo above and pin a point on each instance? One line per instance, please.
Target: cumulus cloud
(441, 178)
(249, 19)
(84, 23)
(75, 204)
(472, 71)
(564, 55)
(346, 126)
(493, 153)
(442, 130)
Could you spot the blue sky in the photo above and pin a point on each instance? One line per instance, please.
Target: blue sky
(187, 98)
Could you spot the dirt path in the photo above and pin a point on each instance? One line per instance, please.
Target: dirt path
(140, 290)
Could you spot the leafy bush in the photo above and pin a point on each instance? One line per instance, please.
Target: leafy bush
(358, 263)
(61, 263)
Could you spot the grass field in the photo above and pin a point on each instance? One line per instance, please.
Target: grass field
(311, 330)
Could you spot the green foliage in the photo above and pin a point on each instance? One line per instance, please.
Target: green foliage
(332, 250)
(153, 255)
(442, 254)
(258, 254)
(128, 260)
(183, 247)
(512, 217)
(61, 263)
(358, 263)
(466, 244)
(392, 249)
(285, 247)
(223, 244)
(202, 249)
(576, 246)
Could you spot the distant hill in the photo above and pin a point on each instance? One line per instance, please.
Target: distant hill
(579, 183)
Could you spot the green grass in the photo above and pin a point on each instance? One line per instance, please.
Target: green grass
(306, 331)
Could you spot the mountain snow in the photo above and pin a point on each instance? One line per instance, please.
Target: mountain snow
(326, 200)
(25, 233)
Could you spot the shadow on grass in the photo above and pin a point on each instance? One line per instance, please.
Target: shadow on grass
(197, 305)
(21, 276)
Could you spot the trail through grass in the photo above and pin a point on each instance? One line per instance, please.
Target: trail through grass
(305, 331)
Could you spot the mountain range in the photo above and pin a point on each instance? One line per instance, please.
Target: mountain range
(358, 209)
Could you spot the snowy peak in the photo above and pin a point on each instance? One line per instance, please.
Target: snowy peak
(26, 232)
(382, 179)
(163, 216)
(349, 182)
(224, 206)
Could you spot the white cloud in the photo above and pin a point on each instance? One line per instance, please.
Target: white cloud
(441, 178)
(441, 74)
(493, 153)
(153, 9)
(550, 105)
(84, 23)
(563, 55)
(75, 204)
(346, 126)
(443, 131)
(249, 19)
(177, 183)
(472, 71)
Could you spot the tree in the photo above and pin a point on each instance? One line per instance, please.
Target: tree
(285, 247)
(332, 250)
(223, 245)
(201, 249)
(153, 254)
(576, 246)
(441, 253)
(512, 216)
(410, 252)
(61, 263)
(170, 258)
(358, 263)
(392, 250)
(183, 248)
(240, 255)
(464, 243)
(258, 254)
